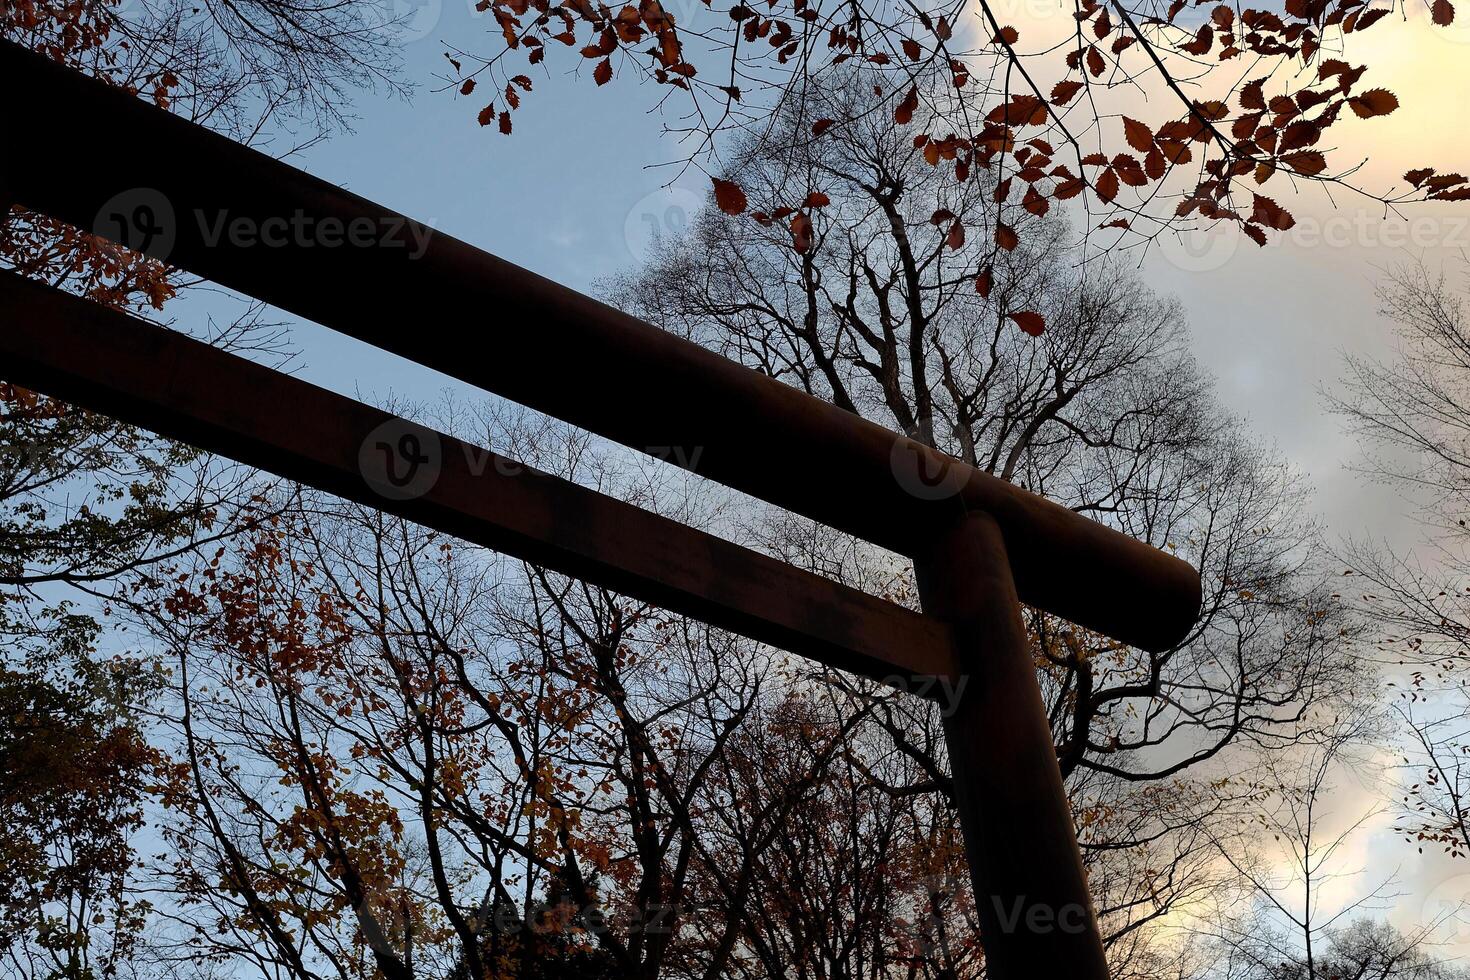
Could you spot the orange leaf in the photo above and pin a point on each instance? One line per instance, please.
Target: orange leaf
(801, 232)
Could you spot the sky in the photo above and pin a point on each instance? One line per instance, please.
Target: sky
(579, 189)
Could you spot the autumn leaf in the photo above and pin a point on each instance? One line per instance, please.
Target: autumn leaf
(816, 199)
(984, 283)
(467, 87)
(1374, 102)
(911, 49)
(505, 122)
(956, 237)
(1309, 162)
(904, 114)
(602, 74)
(728, 196)
(1444, 13)
(1006, 237)
(1107, 185)
(1006, 35)
(1029, 322)
(1139, 136)
(1267, 212)
(821, 126)
(487, 115)
(801, 232)
(1064, 92)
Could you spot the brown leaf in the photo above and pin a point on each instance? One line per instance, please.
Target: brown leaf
(1063, 92)
(487, 114)
(1107, 185)
(467, 87)
(1374, 102)
(956, 237)
(1029, 322)
(984, 283)
(821, 126)
(904, 114)
(1034, 202)
(911, 49)
(816, 199)
(1309, 162)
(1006, 35)
(1267, 212)
(1006, 237)
(1444, 13)
(728, 196)
(1139, 136)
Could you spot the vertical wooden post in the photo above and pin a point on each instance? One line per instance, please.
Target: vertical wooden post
(1036, 916)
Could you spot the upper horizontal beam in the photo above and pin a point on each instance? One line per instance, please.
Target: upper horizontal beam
(164, 381)
(105, 161)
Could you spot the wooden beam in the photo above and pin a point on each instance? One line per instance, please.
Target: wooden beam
(242, 219)
(162, 380)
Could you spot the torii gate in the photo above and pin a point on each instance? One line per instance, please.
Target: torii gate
(980, 545)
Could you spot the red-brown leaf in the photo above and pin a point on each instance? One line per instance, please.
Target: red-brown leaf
(728, 196)
(1139, 136)
(904, 114)
(1029, 322)
(1374, 102)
